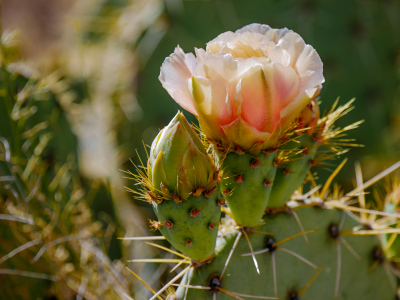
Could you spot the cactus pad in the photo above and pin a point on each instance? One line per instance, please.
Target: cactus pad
(295, 269)
(192, 225)
(247, 184)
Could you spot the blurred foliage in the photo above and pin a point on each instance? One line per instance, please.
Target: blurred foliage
(49, 235)
(81, 95)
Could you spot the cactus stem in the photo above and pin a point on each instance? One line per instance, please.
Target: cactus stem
(254, 163)
(169, 224)
(239, 178)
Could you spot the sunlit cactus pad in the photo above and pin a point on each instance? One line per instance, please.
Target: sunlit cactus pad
(357, 271)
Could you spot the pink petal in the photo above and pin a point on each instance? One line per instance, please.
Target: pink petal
(266, 93)
(176, 71)
(244, 135)
(258, 109)
(284, 83)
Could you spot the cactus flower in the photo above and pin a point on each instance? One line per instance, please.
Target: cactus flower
(178, 165)
(246, 86)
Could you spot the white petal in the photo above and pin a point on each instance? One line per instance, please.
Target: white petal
(200, 53)
(219, 42)
(259, 28)
(293, 44)
(309, 67)
(176, 71)
(273, 35)
(279, 55)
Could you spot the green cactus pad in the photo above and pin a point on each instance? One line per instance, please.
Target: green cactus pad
(358, 279)
(247, 184)
(192, 234)
(290, 176)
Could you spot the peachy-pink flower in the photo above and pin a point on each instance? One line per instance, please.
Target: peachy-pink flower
(247, 86)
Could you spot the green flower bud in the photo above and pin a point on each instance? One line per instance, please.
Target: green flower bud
(178, 165)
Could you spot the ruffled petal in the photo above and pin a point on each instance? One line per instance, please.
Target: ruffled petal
(259, 28)
(273, 35)
(176, 71)
(294, 44)
(309, 67)
(215, 46)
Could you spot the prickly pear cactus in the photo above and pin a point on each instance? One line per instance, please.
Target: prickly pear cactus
(254, 93)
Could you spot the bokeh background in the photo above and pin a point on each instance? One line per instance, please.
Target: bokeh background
(89, 71)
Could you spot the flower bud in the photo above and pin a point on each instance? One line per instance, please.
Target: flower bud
(178, 165)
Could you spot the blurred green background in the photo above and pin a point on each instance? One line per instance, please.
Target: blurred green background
(97, 63)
